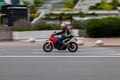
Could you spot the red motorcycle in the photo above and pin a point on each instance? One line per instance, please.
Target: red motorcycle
(51, 43)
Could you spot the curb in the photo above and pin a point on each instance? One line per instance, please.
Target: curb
(41, 41)
(110, 45)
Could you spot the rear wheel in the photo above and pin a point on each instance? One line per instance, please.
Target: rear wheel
(73, 47)
(47, 47)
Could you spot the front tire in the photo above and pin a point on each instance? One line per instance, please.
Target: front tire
(73, 47)
(47, 47)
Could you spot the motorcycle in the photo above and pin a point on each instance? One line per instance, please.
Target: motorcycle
(51, 43)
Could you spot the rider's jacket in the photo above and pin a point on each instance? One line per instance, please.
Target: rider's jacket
(65, 32)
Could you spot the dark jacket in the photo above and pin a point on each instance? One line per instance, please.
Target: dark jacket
(65, 32)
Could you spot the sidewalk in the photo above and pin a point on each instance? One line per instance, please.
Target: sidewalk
(107, 42)
(87, 42)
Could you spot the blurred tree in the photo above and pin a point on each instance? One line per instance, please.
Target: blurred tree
(27, 3)
(104, 1)
(68, 4)
(106, 6)
(33, 8)
(37, 2)
(82, 0)
(115, 2)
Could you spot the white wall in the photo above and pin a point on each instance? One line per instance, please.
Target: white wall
(37, 34)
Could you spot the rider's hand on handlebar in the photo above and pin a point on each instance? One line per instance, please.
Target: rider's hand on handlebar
(53, 34)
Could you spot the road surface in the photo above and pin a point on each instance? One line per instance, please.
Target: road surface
(31, 63)
(38, 51)
(67, 68)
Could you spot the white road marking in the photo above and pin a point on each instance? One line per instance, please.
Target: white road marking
(59, 56)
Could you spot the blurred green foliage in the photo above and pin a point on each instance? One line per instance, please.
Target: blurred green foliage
(105, 27)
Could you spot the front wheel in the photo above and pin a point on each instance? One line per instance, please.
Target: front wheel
(73, 47)
(47, 47)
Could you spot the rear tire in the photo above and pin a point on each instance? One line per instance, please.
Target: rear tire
(73, 47)
(47, 48)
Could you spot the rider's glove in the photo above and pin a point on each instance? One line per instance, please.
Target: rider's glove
(70, 36)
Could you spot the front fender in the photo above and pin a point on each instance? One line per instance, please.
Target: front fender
(49, 42)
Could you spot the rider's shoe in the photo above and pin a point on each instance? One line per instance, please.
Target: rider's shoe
(63, 46)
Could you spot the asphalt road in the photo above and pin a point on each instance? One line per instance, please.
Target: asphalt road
(38, 51)
(31, 63)
(67, 68)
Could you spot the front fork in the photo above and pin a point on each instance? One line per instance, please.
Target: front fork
(48, 42)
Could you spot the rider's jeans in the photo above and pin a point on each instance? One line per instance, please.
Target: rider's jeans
(60, 40)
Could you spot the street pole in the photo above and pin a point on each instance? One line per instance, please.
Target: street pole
(118, 11)
(71, 20)
(60, 19)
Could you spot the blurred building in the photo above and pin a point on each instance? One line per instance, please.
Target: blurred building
(13, 10)
(13, 13)
(10, 2)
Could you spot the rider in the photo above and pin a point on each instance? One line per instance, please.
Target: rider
(65, 33)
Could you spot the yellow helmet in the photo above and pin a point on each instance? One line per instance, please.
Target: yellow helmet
(62, 25)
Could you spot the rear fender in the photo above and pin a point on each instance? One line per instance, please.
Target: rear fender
(73, 39)
(70, 43)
